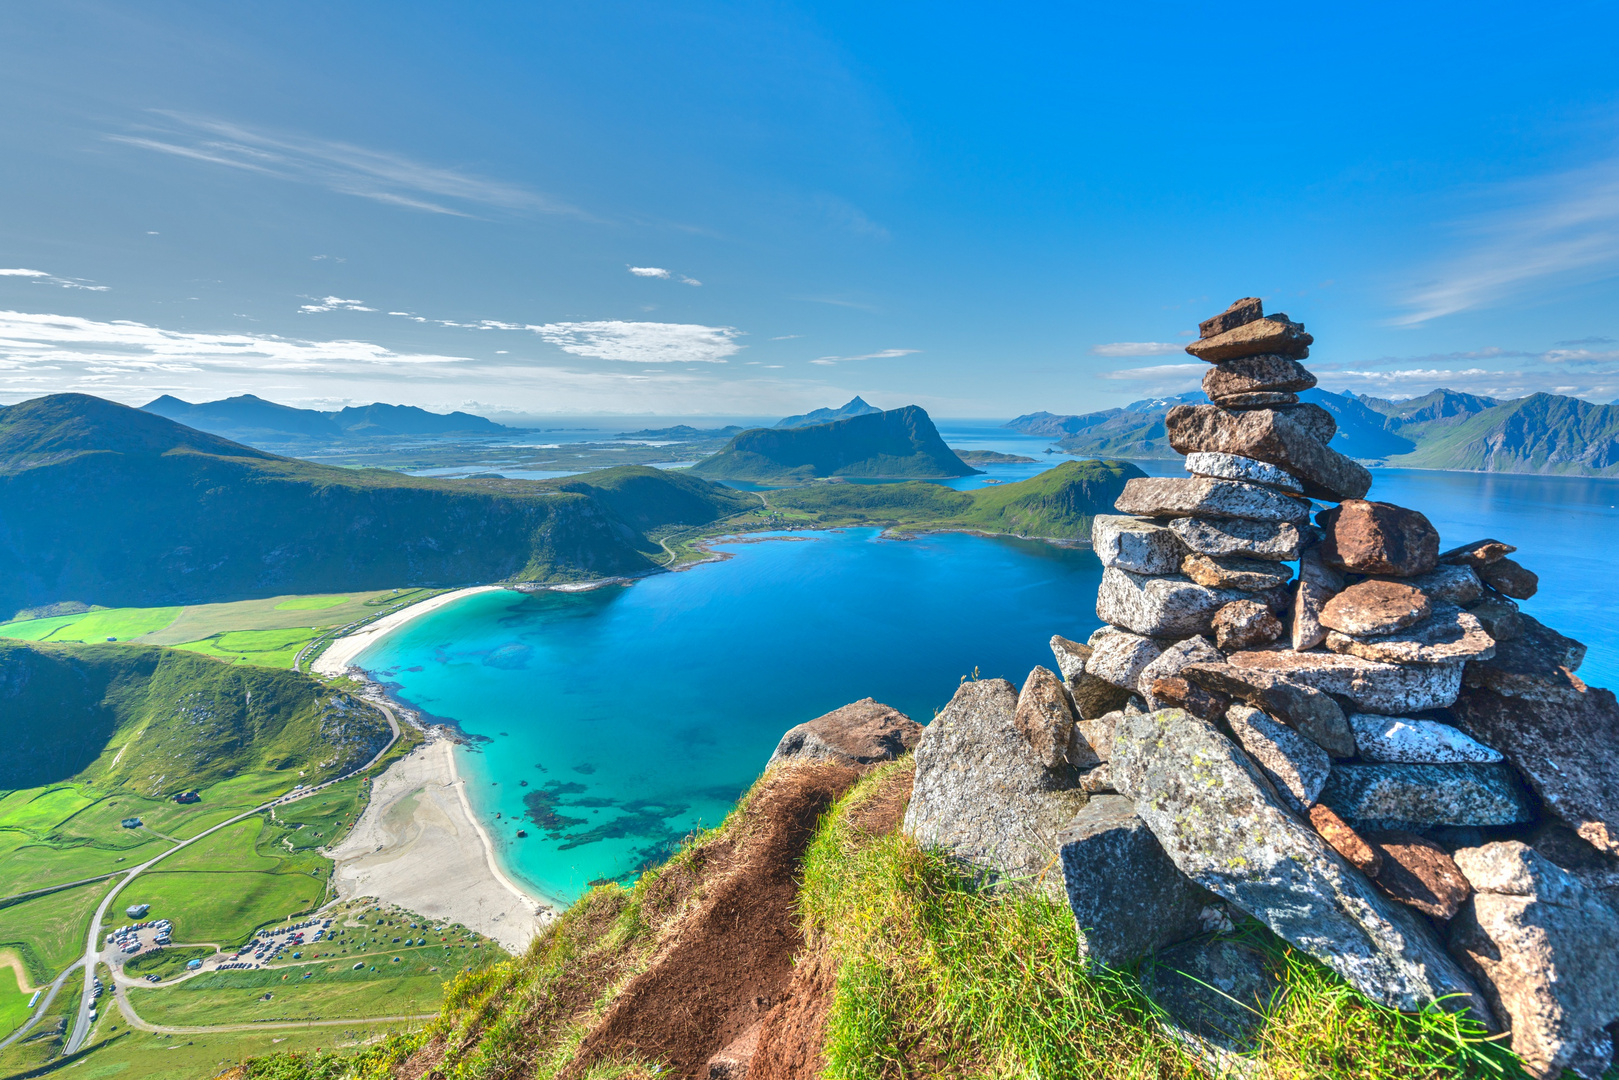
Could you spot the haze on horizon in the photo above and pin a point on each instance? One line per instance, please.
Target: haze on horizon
(716, 209)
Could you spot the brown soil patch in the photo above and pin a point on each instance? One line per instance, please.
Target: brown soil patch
(730, 958)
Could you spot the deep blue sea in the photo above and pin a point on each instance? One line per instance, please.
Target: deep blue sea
(609, 723)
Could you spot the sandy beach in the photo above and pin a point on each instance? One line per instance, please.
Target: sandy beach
(341, 653)
(418, 845)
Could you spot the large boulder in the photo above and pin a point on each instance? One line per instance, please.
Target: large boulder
(1449, 636)
(1201, 496)
(1137, 544)
(1164, 607)
(1280, 436)
(1378, 538)
(1391, 689)
(862, 733)
(1375, 607)
(1295, 765)
(1127, 897)
(1546, 951)
(1121, 658)
(1265, 373)
(1246, 469)
(1396, 796)
(1536, 665)
(1402, 740)
(1213, 812)
(983, 793)
(1509, 578)
(1276, 541)
(1419, 873)
(1277, 335)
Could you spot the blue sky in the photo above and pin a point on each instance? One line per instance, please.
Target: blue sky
(749, 209)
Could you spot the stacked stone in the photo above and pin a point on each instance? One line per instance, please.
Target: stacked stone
(1383, 759)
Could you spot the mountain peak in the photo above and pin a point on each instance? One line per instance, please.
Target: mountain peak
(63, 425)
(898, 443)
(854, 407)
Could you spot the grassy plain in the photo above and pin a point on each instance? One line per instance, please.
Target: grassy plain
(13, 1002)
(44, 1040)
(48, 932)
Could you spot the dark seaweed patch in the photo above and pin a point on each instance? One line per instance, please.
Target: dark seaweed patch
(587, 768)
(542, 811)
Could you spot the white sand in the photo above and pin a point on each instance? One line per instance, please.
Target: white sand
(341, 653)
(418, 846)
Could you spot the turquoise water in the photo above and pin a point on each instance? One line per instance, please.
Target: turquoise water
(636, 713)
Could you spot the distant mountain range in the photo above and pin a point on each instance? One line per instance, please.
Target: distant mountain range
(104, 504)
(246, 418)
(898, 444)
(855, 407)
(1444, 429)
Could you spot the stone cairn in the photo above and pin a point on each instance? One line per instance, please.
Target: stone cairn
(1383, 760)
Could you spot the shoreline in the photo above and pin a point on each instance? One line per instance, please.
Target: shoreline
(339, 655)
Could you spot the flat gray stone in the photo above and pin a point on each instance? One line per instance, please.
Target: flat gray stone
(1401, 740)
(1448, 636)
(1401, 796)
(1390, 689)
(1137, 544)
(1303, 708)
(1198, 496)
(1236, 467)
(1121, 658)
(1210, 809)
(982, 794)
(1233, 572)
(1274, 541)
(1297, 766)
(1127, 897)
(1194, 650)
(1166, 606)
(1546, 950)
(1446, 584)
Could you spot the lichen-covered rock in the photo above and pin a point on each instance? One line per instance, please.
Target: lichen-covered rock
(1200, 496)
(1245, 625)
(1231, 572)
(1546, 951)
(1194, 650)
(1510, 579)
(1247, 469)
(983, 794)
(1449, 636)
(1375, 607)
(1391, 689)
(1397, 796)
(1276, 334)
(1346, 841)
(1162, 607)
(1303, 708)
(1297, 766)
(1378, 538)
(1401, 740)
(1070, 656)
(1318, 584)
(1137, 544)
(1045, 716)
(861, 733)
(1538, 665)
(1092, 741)
(1127, 897)
(1256, 374)
(1176, 692)
(1121, 658)
(1419, 873)
(1209, 808)
(1446, 584)
(1273, 541)
(1284, 437)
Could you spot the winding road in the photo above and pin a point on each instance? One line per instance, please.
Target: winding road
(92, 947)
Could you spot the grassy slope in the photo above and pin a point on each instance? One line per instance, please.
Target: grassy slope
(932, 978)
(897, 443)
(1542, 433)
(113, 506)
(1059, 503)
(48, 932)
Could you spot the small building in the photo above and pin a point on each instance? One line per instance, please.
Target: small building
(187, 797)
(131, 823)
(135, 911)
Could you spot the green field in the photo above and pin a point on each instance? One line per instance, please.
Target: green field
(311, 603)
(165, 963)
(122, 624)
(13, 1002)
(295, 998)
(324, 819)
(49, 931)
(267, 648)
(121, 1053)
(44, 1039)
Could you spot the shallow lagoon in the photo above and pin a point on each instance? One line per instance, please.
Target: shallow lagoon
(636, 713)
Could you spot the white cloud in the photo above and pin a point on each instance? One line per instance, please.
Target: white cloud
(643, 342)
(40, 277)
(335, 303)
(885, 354)
(649, 271)
(337, 166)
(684, 280)
(1136, 348)
(1559, 230)
(1159, 372)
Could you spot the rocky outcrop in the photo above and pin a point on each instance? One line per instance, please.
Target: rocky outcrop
(862, 733)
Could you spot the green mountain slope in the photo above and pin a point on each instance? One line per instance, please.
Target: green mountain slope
(158, 721)
(1542, 433)
(247, 416)
(856, 406)
(104, 504)
(1058, 504)
(897, 443)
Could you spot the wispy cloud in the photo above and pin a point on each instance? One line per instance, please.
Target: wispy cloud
(649, 271)
(338, 166)
(335, 303)
(884, 354)
(1136, 348)
(1558, 230)
(40, 277)
(643, 342)
(1159, 372)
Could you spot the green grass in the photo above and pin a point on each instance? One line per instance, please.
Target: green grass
(44, 1040)
(13, 1002)
(121, 1053)
(324, 818)
(266, 648)
(323, 995)
(36, 629)
(311, 603)
(165, 963)
(49, 931)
